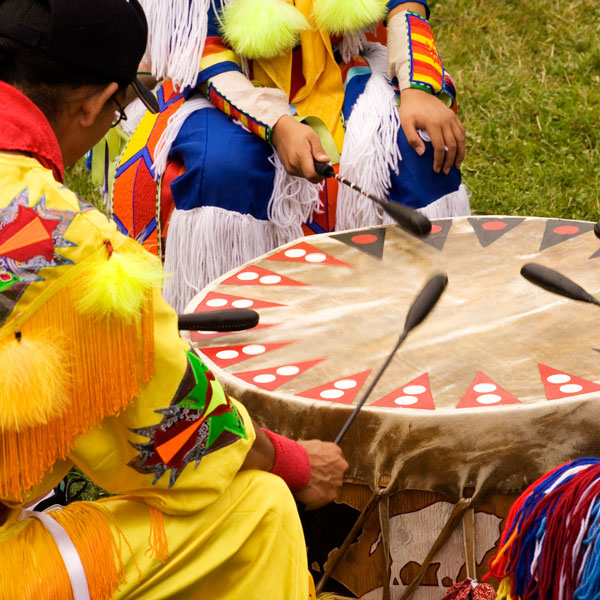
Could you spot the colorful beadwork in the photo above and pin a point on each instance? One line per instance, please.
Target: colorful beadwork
(426, 69)
(201, 419)
(223, 104)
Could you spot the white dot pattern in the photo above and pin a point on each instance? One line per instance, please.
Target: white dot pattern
(295, 253)
(316, 257)
(248, 276)
(264, 378)
(216, 302)
(288, 371)
(414, 389)
(489, 399)
(406, 400)
(331, 394)
(571, 388)
(270, 279)
(558, 378)
(227, 354)
(485, 388)
(254, 349)
(242, 303)
(345, 384)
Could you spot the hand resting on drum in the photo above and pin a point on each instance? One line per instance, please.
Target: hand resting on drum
(327, 468)
(314, 470)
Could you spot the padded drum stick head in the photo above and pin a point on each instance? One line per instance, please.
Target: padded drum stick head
(555, 282)
(597, 229)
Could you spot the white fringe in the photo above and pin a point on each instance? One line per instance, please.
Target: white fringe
(203, 243)
(293, 201)
(370, 150)
(176, 121)
(454, 204)
(177, 31)
(352, 43)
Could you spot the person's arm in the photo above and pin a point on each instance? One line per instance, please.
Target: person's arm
(419, 106)
(313, 469)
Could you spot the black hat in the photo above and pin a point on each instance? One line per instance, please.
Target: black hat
(105, 36)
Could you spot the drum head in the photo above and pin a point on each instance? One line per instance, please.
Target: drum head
(496, 355)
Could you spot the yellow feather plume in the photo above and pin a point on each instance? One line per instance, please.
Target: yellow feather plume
(345, 16)
(33, 381)
(117, 283)
(262, 28)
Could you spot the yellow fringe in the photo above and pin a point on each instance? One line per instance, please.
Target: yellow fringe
(158, 545)
(504, 590)
(33, 380)
(110, 358)
(36, 566)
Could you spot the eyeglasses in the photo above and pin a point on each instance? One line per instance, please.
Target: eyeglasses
(120, 114)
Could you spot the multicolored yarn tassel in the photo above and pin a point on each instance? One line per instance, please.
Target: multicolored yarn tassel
(549, 549)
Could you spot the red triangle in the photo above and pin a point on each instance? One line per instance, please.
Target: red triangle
(414, 394)
(225, 356)
(306, 254)
(272, 378)
(558, 384)
(486, 392)
(254, 275)
(203, 336)
(219, 301)
(342, 390)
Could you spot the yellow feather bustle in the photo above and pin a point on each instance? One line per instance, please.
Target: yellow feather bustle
(345, 16)
(262, 28)
(33, 381)
(116, 284)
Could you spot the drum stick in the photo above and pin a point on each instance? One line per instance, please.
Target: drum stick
(410, 219)
(420, 308)
(233, 319)
(554, 282)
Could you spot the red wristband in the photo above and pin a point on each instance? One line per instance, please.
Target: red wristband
(291, 462)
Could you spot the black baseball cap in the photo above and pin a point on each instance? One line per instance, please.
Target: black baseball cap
(105, 36)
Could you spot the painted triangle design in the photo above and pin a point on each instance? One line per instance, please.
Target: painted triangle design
(486, 392)
(371, 241)
(306, 254)
(440, 228)
(225, 356)
(561, 230)
(491, 229)
(219, 301)
(342, 390)
(414, 394)
(254, 275)
(596, 254)
(274, 377)
(559, 384)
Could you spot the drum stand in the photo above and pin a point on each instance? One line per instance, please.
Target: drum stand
(462, 511)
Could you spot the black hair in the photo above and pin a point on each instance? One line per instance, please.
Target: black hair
(43, 79)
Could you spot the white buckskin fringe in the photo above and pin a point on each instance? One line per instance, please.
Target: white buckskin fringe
(176, 121)
(177, 31)
(370, 152)
(454, 204)
(293, 201)
(203, 243)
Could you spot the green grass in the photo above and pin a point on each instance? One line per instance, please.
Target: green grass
(528, 78)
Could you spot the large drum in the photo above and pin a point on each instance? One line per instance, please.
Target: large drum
(497, 386)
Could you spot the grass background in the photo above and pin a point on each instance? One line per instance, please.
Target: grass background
(528, 79)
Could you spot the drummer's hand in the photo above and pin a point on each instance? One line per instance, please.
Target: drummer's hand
(420, 110)
(298, 146)
(327, 468)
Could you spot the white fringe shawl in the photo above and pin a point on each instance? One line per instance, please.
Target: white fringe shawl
(371, 154)
(203, 243)
(220, 239)
(177, 31)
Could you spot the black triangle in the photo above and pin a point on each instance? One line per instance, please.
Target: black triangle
(596, 254)
(488, 234)
(370, 241)
(553, 236)
(437, 237)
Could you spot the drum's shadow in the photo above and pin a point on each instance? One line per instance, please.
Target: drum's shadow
(325, 529)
